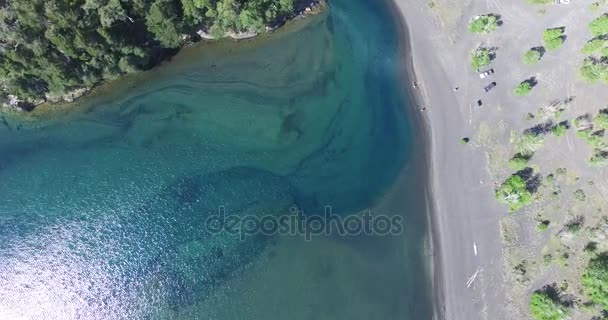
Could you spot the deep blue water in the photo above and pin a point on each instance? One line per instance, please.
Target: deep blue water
(103, 208)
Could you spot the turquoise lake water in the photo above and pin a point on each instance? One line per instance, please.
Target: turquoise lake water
(103, 208)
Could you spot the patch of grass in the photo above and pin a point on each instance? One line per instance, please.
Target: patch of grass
(553, 38)
(579, 195)
(481, 58)
(540, 1)
(483, 24)
(562, 260)
(547, 259)
(531, 56)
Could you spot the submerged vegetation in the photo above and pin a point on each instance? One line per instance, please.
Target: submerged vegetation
(53, 47)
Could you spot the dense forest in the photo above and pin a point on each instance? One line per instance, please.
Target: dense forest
(50, 47)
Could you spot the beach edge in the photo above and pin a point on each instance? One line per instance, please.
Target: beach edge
(423, 132)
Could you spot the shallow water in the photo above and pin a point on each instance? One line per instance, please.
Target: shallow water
(102, 210)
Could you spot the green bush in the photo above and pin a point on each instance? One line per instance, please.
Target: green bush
(599, 157)
(595, 280)
(480, 58)
(599, 26)
(483, 24)
(544, 307)
(519, 162)
(553, 38)
(514, 193)
(529, 143)
(523, 89)
(594, 70)
(594, 45)
(532, 56)
(553, 44)
(601, 120)
(559, 130)
(592, 138)
(540, 1)
(543, 225)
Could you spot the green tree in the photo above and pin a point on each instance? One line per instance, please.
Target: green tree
(161, 22)
(595, 280)
(553, 38)
(480, 58)
(544, 307)
(49, 47)
(514, 192)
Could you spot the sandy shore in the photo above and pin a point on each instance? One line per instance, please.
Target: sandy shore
(463, 208)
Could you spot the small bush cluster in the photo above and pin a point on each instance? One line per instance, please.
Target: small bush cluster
(595, 137)
(595, 66)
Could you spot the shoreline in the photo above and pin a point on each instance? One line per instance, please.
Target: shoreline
(308, 10)
(461, 207)
(423, 130)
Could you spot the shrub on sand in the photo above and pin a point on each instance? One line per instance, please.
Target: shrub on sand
(483, 24)
(532, 56)
(480, 58)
